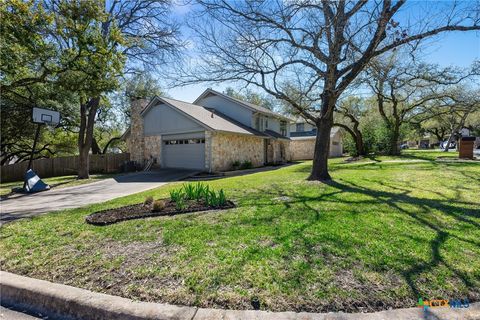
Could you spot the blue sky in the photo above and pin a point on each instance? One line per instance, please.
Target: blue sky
(450, 49)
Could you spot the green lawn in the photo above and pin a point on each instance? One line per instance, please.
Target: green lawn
(55, 182)
(381, 235)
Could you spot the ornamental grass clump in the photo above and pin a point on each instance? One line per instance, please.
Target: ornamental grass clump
(158, 205)
(148, 201)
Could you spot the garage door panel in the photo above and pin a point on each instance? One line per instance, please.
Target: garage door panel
(188, 152)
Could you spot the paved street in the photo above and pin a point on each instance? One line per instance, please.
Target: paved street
(28, 205)
(8, 314)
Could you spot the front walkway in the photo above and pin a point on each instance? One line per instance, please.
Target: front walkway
(29, 205)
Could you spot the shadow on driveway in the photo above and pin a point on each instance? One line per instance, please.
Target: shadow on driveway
(30, 205)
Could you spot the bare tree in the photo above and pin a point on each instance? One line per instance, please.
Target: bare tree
(320, 47)
(152, 39)
(405, 89)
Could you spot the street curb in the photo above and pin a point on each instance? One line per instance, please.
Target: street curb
(43, 297)
(39, 296)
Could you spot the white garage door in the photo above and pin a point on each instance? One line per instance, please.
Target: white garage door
(184, 151)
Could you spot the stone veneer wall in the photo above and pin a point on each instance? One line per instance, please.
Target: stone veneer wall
(225, 148)
(153, 147)
(136, 141)
(302, 149)
(275, 154)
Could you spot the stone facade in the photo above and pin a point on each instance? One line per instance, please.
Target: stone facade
(136, 139)
(222, 149)
(153, 148)
(278, 151)
(303, 149)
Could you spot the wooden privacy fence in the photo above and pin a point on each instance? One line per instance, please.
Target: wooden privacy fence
(63, 166)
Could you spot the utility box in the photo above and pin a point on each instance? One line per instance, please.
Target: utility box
(466, 147)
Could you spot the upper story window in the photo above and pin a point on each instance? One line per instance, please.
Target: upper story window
(283, 128)
(259, 123)
(300, 127)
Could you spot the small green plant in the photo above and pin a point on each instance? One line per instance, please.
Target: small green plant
(177, 195)
(200, 190)
(222, 198)
(246, 165)
(212, 199)
(215, 199)
(180, 204)
(148, 201)
(189, 190)
(158, 205)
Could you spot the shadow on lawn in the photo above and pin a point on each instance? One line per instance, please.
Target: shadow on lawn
(395, 200)
(400, 200)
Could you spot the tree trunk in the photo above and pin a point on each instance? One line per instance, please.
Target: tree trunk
(394, 143)
(83, 164)
(95, 147)
(88, 112)
(359, 145)
(322, 150)
(357, 138)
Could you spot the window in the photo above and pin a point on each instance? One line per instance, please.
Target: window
(266, 123)
(185, 141)
(300, 127)
(257, 123)
(283, 128)
(260, 122)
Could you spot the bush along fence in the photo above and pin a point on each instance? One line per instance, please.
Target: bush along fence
(62, 166)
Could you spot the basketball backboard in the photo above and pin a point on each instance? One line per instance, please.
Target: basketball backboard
(45, 116)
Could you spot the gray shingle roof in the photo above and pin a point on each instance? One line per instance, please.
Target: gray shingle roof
(212, 120)
(246, 104)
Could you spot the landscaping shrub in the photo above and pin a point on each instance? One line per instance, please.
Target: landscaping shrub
(246, 165)
(236, 165)
(148, 201)
(158, 205)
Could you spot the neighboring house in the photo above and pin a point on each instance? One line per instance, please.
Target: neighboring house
(209, 134)
(303, 135)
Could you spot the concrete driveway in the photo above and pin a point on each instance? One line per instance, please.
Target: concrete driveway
(29, 205)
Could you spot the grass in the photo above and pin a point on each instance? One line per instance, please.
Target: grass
(381, 235)
(55, 182)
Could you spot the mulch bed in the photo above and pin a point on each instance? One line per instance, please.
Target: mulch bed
(140, 210)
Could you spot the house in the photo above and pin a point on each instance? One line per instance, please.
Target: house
(209, 134)
(302, 140)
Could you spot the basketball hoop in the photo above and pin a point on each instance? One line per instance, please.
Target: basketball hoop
(50, 118)
(45, 116)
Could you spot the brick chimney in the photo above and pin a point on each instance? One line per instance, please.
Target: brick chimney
(137, 140)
